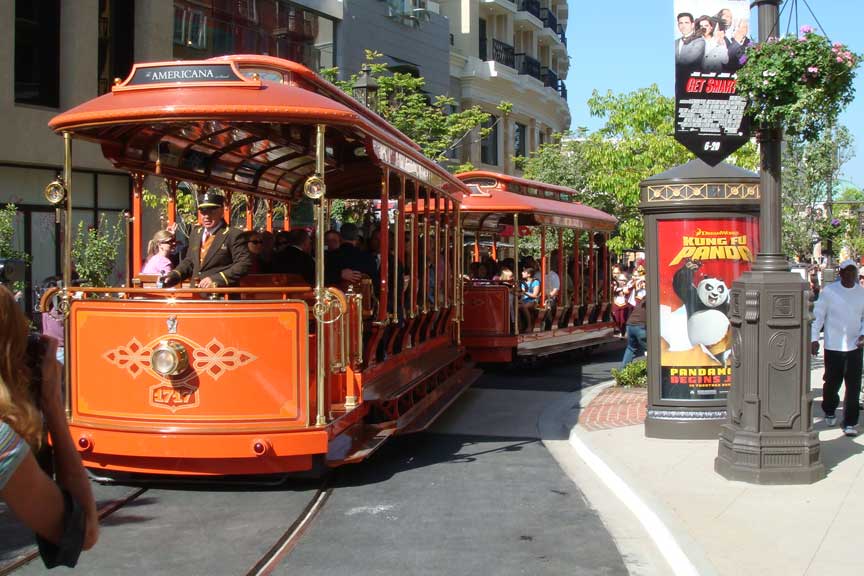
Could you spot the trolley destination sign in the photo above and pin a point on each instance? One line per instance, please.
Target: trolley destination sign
(185, 74)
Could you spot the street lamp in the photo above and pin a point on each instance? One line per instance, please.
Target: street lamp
(365, 88)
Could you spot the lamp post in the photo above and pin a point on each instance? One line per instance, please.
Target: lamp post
(365, 88)
(768, 436)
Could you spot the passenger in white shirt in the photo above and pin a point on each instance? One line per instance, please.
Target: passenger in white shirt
(840, 309)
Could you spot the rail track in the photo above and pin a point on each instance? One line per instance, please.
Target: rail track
(262, 562)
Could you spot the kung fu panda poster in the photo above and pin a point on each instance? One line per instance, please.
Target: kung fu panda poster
(698, 262)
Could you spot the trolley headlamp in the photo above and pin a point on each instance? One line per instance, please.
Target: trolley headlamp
(55, 192)
(169, 358)
(314, 187)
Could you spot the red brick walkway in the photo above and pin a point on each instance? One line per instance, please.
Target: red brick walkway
(615, 407)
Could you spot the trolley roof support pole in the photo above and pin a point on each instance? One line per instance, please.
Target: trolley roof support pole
(426, 201)
(250, 211)
(605, 256)
(412, 280)
(320, 289)
(495, 247)
(384, 247)
(562, 275)
(399, 253)
(437, 257)
(543, 266)
(67, 266)
(137, 213)
(286, 217)
(448, 268)
(172, 200)
(578, 285)
(457, 277)
(476, 257)
(517, 279)
(592, 268)
(227, 211)
(269, 219)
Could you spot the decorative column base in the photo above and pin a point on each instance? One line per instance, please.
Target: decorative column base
(684, 423)
(768, 458)
(768, 437)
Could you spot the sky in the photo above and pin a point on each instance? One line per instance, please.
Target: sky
(624, 45)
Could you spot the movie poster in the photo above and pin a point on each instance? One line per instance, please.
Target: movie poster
(710, 40)
(698, 262)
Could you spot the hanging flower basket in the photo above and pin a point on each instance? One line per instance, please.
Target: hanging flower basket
(801, 83)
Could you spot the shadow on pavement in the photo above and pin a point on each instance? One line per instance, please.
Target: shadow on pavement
(837, 450)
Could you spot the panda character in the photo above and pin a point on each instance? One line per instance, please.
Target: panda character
(707, 306)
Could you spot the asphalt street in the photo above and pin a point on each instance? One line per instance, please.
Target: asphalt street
(477, 494)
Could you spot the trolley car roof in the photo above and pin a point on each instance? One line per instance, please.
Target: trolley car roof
(494, 198)
(246, 123)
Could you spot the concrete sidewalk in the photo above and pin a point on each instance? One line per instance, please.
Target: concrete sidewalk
(672, 514)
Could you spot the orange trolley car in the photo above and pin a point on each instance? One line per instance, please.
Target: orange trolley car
(499, 206)
(273, 376)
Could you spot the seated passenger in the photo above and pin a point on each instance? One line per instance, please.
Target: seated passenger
(529, 290)
(349, 263)
(255, 245)
(295, 258)
(217, 254)
(159, 253)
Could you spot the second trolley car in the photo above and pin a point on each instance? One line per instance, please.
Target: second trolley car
(498, 324)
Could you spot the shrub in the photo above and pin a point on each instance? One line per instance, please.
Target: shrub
(94, 251)
(634, 375)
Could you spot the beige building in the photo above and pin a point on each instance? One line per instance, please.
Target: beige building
(513, 51)
(60, 53)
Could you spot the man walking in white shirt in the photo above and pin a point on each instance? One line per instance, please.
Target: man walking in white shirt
(840, 309)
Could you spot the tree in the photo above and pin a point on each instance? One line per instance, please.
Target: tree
(808, 169)
(8, 215)
(433, 123)
(607, 166)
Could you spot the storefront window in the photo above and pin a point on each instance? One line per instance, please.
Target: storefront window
(206, 28)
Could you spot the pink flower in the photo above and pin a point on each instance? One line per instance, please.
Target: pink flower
(839, 59)
(837, 45)
(813, 70)
(806, 29)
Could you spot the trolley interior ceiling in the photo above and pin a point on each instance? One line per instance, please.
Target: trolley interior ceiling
(245, 133)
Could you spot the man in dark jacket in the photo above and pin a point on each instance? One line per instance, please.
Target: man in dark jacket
(349, 263)
(295, 258)
(217, 255)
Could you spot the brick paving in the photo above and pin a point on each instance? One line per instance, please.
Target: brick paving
(615, 407)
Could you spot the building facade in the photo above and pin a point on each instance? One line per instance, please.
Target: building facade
(64, 52)
(513, 51)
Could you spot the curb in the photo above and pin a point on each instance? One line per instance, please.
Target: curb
(650, 541)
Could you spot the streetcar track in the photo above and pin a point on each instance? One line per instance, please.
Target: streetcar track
(291, 537)
(104, 511)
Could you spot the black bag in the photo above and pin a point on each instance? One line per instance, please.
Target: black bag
(67, 551)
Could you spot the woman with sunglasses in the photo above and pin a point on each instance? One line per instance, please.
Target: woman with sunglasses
(255, 244)
(159, 253)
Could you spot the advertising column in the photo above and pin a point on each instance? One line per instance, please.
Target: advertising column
(698, 260)
(701, 234)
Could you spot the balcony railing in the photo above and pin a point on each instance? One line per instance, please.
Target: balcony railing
(562, 90)
(503, 53)
(549, 19)
(530, 6)
(527, 65)
(562, 35)
(549, 78)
